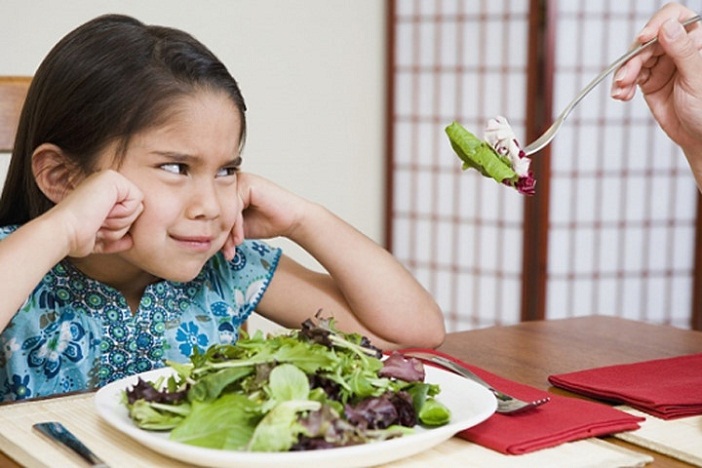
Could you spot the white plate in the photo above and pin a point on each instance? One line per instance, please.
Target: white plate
(470, 404)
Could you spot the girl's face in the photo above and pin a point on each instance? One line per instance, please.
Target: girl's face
(187, 172)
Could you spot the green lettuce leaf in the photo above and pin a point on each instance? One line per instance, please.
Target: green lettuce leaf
(212, 385)
(434, 413)
(280, 428)
(308, 358)
(156, 416)
(288, 382)
(479, 155)
(226, 423)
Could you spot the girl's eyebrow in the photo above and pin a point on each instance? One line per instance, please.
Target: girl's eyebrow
(177, 157)
(191, 159)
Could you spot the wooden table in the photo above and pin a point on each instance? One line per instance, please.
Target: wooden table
(529, 352)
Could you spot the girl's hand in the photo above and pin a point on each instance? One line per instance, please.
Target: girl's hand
(98, 214)
(267, 211)
(360, 284)
(93, 217)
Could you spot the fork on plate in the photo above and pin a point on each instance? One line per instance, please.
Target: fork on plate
(548, 135)
(506, 404)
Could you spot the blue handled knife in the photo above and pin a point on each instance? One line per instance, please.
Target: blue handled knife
(58, 433)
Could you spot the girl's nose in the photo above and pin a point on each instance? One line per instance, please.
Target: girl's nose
(203, 202)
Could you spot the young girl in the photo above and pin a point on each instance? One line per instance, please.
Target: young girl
(124, 216)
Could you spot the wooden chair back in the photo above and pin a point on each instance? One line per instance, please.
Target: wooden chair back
(13, 91)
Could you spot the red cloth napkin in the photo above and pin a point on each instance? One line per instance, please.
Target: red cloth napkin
(666, 388)
(561, 420)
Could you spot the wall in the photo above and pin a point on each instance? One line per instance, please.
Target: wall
(312, 73)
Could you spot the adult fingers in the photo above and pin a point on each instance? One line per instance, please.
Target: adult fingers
(667, 12)
(629, 75)
(681, 49)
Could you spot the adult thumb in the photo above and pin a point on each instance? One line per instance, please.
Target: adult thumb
(680, 48)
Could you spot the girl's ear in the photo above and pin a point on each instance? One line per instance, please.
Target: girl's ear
(54, 172)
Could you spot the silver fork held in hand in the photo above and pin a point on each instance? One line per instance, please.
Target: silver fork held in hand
(506, 404)
(548, 135)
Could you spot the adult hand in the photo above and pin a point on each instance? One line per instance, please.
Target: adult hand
(669, 75)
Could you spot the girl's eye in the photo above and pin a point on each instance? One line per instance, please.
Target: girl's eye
(227, 171)
(174, 168)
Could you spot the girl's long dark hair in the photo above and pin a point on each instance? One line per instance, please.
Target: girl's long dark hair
(105, 81)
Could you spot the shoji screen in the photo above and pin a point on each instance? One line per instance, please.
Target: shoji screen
(621, 211)
(459, 233)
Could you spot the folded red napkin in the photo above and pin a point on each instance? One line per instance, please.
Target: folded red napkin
(666, 388)
(561, 420)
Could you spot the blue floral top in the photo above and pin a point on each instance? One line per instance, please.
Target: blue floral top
(75, 333)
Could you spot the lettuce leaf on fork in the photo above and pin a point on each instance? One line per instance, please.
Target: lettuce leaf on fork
(482, 156)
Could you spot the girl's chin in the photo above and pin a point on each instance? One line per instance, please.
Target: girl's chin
(179, 273)
(182, 276)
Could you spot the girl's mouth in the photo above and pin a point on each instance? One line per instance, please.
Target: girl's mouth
(194, 243)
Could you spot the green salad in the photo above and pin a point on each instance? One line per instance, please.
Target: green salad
(308, 389)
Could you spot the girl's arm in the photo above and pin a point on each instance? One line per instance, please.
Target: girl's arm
(365, 288)
(25, 257)
(93, 218)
